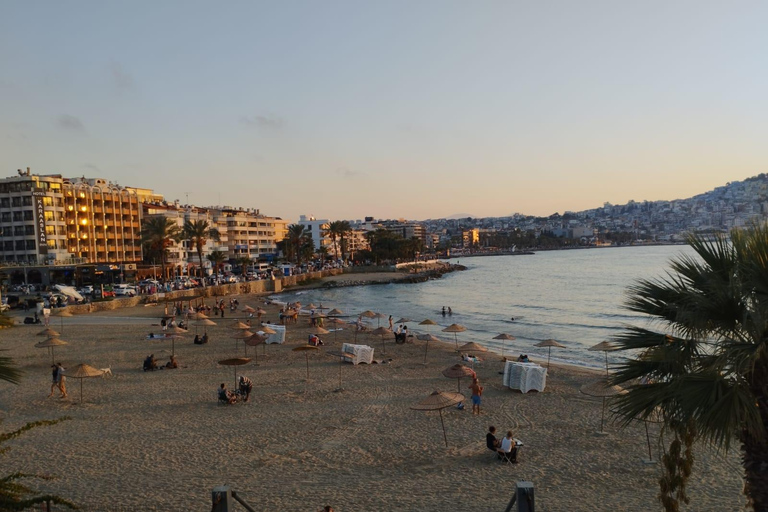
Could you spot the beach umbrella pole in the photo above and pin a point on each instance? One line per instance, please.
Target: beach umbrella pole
(445, 437)
(306, 355)
(549, 356)
(602, 416)
(648, 437)
(459, 382)
(606, 363)
(341, 363)
(81, 390)
(426, 348)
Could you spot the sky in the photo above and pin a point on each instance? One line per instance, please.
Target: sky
(410, 109)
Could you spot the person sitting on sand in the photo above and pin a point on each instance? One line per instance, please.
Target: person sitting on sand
(314, 340)
(150, 363)
(204, 339)
(172, 364)
(491, 442)
(509, 447)
(523, 359)
(226, 395)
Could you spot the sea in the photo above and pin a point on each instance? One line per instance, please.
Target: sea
(575, 297)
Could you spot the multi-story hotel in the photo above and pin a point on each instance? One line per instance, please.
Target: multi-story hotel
(49, 219)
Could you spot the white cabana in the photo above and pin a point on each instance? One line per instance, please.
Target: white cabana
(360, 353)
(524, 376)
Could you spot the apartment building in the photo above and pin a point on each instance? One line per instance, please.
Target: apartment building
(49, 220)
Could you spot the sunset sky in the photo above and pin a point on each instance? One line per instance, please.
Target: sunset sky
(412, 109)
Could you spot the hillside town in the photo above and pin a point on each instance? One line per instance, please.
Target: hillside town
(59, 229)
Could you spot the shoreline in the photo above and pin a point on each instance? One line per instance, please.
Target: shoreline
(299, 444)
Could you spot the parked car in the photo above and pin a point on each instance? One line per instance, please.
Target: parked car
(124, 290)
(86, 290)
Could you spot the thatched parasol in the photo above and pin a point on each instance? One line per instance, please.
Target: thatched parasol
(63, 313)
(234, 363)
(454, 328)
(240, 325)
(438, 401)
(458, 371)
(48, 332)
(306, 349)
(83, 371)
(368, 314)
(602, 389)
(404, 320)
(427, 321)
(549, 344)
(249, 309)
(472, 347)
(427, 338)
(204, 322)
(335, 312)
(378, 317)
(199, 316)
(382, 331)
(504, 338)
(50, 343)
(178, 330)
(242, 335)
(604, 346)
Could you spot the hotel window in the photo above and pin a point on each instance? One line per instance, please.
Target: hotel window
(31, 245)
(8, 245)
(16, 202)
(28, 215)
(48, 215)
(16, 216)
(26, 201)
(6, 217)
(19, 245)
(47, 201)
(29, 230)
(5, 202)
(18, 230)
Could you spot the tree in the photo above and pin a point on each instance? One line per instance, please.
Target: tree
(244, 262)
(157, 234)
(297, 239)
(217, 259)
(323, 253)
(343, 230)
(198, 232)
(705, 369)
(337, 230)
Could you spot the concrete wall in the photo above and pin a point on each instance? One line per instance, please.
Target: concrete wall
(263, 287)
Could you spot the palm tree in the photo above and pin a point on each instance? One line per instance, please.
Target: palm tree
(198, 232)
(297, 239)
(335, 231)
(323, 253)
(705, 370)
(217, 259)
(159, 233)
(343, 230)
(244, 262)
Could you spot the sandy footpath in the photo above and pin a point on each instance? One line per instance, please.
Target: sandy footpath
(160, 440)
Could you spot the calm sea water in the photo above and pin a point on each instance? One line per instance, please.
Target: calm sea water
(575, 297)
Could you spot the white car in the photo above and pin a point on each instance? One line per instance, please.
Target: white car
(124, 290)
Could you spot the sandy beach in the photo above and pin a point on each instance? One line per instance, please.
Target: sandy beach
(160, 441)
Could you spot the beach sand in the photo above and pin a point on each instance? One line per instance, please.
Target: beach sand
(160, 441)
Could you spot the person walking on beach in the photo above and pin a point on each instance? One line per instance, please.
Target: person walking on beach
(477, 393)
(390, 322)
(58, 380)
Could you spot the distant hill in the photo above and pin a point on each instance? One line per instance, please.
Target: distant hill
(460, 216)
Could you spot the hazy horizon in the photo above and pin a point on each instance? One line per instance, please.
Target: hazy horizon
(398, 109)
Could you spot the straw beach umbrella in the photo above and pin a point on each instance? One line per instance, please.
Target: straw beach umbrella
(404, 320)
(242, 335)
(438, 401)
(378, 317)
(48, 332)
(234, 363)
(240, 325)
(458, 371)
(248, 309)
(64, 314)
(549, 344)
(602, 389)
(454, 328)
(427, 338)
(84, 371)
(382, 331)
(305, 349)
(205, 322)
(335, 312)
(50, 343)
(504, 338)
(427, 321)
(604, 346)
(337, 322)
(254, 341)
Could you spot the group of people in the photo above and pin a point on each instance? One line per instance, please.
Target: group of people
(150, 363)
(201, 340)
(401, 334)
(245, 386)
(506, 448)
(449, 311)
